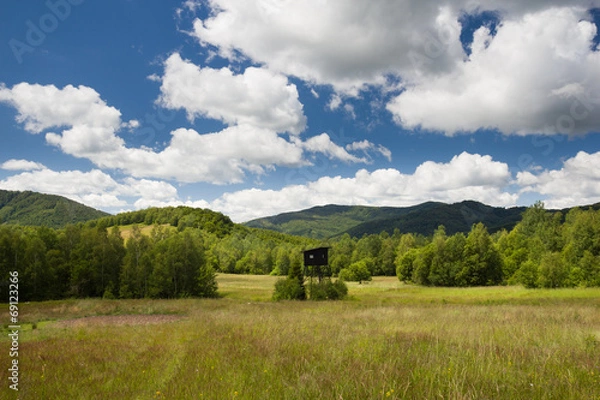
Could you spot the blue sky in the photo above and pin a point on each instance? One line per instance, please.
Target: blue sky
(257, 108)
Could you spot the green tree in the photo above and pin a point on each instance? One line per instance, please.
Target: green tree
(386, 257)
(405, 265)
(341, 253)
(356, 272)
(589, 265)
(514, 248)
(422, 265)
(292, 287)
(527, 275)
(438, 274)
(297, 275)
(552, 271)
(179, 268)
(35, 272)
(482, 265)
(137, 266)
(367, 249)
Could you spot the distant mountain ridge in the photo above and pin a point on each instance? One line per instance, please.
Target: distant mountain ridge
(335, 220)
(37, 209)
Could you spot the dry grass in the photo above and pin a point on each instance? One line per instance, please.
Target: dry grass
(389, 341)
(127, 230)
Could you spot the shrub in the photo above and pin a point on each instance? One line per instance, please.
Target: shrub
(356, 272)
(328, 290)
(289, 289)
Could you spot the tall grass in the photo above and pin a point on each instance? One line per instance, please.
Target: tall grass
(388, 341)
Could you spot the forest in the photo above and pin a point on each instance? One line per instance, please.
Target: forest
(176, 252)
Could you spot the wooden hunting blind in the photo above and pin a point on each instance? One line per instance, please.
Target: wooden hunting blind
(314, 259)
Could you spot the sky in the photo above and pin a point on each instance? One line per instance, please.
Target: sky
(254, 108)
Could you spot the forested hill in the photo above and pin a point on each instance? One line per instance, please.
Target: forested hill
(334, 220)
(179, 217)
(37, 209)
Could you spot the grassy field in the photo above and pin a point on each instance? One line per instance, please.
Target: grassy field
(387, 341)
(127, 230)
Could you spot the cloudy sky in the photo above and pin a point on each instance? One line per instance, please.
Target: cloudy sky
(254, 108)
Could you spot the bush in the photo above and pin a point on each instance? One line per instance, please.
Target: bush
(289, 289)
(527, 275)
(356, 272)
(328, 290)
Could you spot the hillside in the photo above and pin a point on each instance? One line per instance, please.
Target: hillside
(30, 208)
(458, 217)
(335, 220)
(179, 217)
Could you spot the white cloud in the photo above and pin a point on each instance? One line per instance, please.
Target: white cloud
(466, 176)
(21, 165)
(150, 190)
(323, 144)
(576, 183)
(94, 188)
(349, 108)
(91, 124)
(343, 43)
(131, 124)
(536, 75)
(218, 157)
(350, 43)
(512, 82)
(258, 97)
(42, 107)
(367, 146)
(387, 153)
(335, 102)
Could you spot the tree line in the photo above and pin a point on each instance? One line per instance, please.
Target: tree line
(177, 251)
(544, 250)
(169, 252)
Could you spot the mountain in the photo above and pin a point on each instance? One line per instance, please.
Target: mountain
(458, 217)
(335, 220)
(31, 208)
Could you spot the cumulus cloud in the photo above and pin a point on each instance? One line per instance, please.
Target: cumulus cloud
(466, 176)
(345, 43)
(576, 183)
(538, 74)
(367, 146)
(258, 97)
(44, 106)
(220, 157)
(21, 165)
(90, 122)
(217, 157)
(322, 144)
(516, 81)
(94, 188)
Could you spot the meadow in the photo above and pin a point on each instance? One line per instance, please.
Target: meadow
(386, 341)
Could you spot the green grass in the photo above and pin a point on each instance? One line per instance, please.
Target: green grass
(387, 341)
